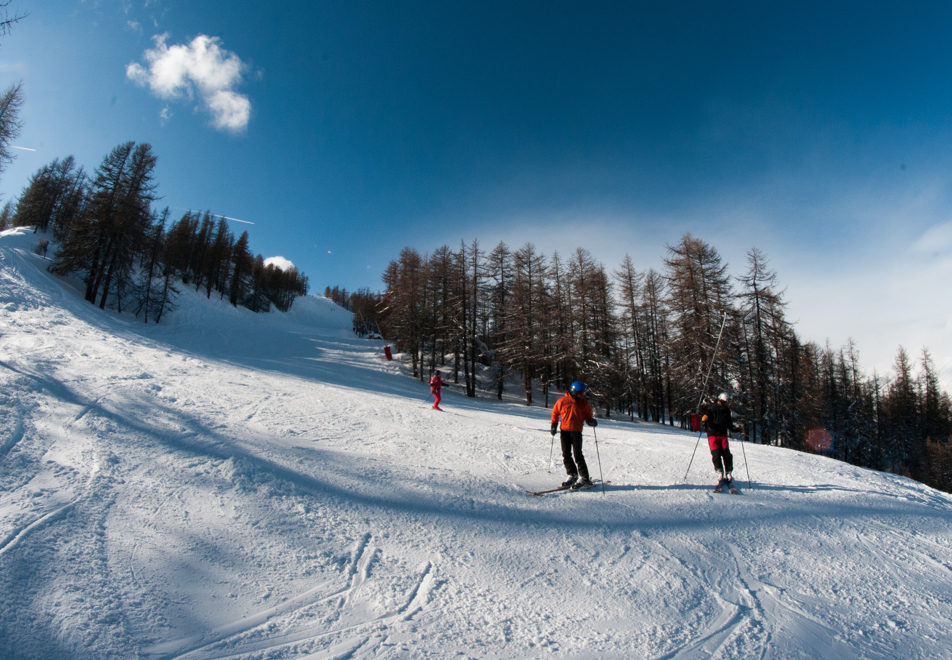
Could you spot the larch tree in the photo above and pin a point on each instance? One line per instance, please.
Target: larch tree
(522, 350)
(111, 232)
(6, 215)
(6, 20)
(241, 270)
(152, 293)
(53, 198)
(902, 415)
(700, 298)
(499, 283)
(765, 331)
(632, 333)
(11, 103)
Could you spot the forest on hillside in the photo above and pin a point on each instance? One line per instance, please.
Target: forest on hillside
(644, 342)
(126, 252)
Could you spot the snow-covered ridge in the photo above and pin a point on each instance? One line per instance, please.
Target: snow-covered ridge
(231, 484)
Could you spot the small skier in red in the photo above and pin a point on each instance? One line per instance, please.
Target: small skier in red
(436, 382)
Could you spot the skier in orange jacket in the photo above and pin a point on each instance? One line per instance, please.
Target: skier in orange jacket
(573, 411)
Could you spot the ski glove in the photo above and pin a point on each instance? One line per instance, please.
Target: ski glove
(593, 422)
(555, 427)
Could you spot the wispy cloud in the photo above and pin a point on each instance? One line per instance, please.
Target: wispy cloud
(201, 68)
(937, 239)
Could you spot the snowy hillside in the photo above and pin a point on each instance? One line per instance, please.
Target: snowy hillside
(234, 485)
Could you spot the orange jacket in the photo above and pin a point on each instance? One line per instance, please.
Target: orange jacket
(574, 413)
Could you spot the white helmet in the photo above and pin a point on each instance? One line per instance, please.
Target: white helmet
(724, 396)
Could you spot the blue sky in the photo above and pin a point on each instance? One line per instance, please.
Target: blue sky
(819, 132)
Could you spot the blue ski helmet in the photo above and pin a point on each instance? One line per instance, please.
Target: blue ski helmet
(577, 387)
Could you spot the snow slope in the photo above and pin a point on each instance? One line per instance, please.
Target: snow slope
(233, 485)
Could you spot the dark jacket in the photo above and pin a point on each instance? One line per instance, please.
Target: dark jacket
(718, 420)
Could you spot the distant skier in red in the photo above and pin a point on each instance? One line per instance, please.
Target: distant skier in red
(436, 382)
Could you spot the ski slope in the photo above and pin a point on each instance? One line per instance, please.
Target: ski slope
(232, 485)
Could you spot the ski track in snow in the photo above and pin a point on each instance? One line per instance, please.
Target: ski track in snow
(231, 485)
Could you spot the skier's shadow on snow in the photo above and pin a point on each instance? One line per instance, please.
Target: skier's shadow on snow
(659, 488)
(749, 487)
(814, 488)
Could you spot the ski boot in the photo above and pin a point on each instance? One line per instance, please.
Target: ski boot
(730, 485)
(722, 480)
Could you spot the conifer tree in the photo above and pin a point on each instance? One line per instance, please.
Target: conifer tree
(902, 416)
(658, 396)
(153, 294)
(476, 258)
(499, 283)
(440, 317)
(521, 347)
(404, 297)
(6, 215)
(217, 257)
(241, 270)
(179, 243)
(561, 323)
(105, 240)
(935, 418)
(700, 297)
(53, 197)
(11, 102)
(765, 331)
(200, 248)
(632, 330)
(259, 301)
(35, 206)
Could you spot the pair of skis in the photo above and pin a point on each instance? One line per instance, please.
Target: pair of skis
(540, 493)
(719, 488)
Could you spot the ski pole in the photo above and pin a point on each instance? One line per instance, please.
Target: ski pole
(746, 467)
(601, 477)
(704, 389)
(552, 447)
(692, 456)
(711, 366)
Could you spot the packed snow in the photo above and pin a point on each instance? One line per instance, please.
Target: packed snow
(236, 485)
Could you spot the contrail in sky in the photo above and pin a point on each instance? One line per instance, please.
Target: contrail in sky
(217, 215)
(24, 148)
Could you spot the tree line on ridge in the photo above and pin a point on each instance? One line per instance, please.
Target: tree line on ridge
(125, 252)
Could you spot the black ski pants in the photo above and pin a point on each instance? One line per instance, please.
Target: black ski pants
(572, 444)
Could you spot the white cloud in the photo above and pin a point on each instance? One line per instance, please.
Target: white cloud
(279, 262)
(200, 68)
(230, 110)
